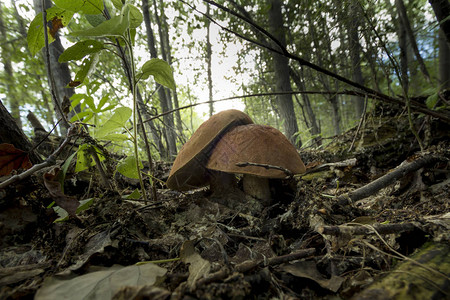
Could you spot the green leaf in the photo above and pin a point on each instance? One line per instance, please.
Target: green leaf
(160, 70)
(136, 194)
(83, 116)
(84, 157)
(117, 120)
(87, 67)
(92, 7)
(116, 137)
(80, 50)
(95, 20)
(116, 26)
(35, 36)
(64, 169)
(127, 167)
(136, 17)
(432, 100)
(117, 4)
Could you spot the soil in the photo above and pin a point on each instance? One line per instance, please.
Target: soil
(304, 244)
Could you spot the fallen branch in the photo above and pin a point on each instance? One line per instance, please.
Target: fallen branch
(251, 264)
(386, 180)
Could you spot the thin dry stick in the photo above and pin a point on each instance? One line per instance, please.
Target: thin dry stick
(361, 121)
(265, 166)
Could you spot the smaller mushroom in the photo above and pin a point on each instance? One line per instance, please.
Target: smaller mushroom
(188, 170)
(258, 152)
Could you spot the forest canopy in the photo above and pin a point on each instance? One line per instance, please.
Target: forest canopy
(308, 68)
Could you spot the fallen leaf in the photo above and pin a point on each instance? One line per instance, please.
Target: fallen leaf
(12, 158)
(70, 204)
(198, 267)
(308, 269)
(101, 284)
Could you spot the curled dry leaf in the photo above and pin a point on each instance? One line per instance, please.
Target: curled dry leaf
(12, 158)
(70, 204)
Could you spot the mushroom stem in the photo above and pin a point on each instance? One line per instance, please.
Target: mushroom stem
(257, 187)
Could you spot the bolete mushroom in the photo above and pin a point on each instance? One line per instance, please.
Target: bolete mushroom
(259, 152)
(188, 170)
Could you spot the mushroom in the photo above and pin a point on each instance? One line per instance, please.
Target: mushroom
(188, 170)
(259, 152)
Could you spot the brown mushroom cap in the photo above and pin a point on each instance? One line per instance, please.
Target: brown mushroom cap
(258, 144)
(188, 170)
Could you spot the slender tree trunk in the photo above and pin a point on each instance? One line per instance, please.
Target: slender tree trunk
(173, 93)
(282, 79)
(208, 61)
(6, 51)
(407, 26)
(168, 119)
(355, 51)
(444, 61)
(60, 71)
(442, 11)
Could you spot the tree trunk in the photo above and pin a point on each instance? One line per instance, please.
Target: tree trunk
(407, 26)
(60, 71)
(11, 133)
(282, 79)
(444, 61)
(355, 51)
(12, 97)
(442, 11)
(179, 123)
(168, 119)
(208, 61)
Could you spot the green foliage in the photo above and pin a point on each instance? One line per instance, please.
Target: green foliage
(36, 34)
(80, 50)
(127, 167)
(116, 26)
(84, 157)
(87, 67)
(35, 37)
(117, 121)
(84, 6)
(160, 70)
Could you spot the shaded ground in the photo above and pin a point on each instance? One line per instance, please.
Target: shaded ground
(312, 242)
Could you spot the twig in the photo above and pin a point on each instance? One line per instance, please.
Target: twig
(359, 230)
(265, 166)
(251, 264)
(388, 179)
(340, 164)
(361, 121)
(51, 160)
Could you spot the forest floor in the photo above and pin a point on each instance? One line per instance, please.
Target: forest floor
(370, 219)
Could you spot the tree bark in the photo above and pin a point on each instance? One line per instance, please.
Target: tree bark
(401, 9)
(164, 102)
(355, 51)
(6, 51)
(444, 61)
(11, 133)
(209, 61)
(60, 71)
(442, 11)
(282, 79)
